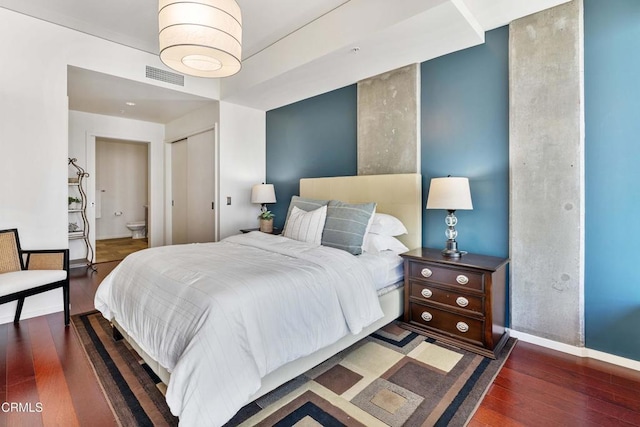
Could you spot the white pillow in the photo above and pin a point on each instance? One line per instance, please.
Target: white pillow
(387, 225)
(375, 243)
(305, 226)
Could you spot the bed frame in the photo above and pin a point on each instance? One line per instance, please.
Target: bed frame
(399, 195)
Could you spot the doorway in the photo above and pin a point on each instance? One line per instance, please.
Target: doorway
(107, 106)
(121, 198)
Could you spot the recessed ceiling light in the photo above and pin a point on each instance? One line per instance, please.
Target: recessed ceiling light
(130, 104)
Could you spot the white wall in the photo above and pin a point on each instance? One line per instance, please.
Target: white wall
(33, 134)
(121, 186)
(242, 164)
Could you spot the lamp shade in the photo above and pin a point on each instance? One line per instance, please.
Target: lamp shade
(200, 38)
(263, 193)
(450, 193)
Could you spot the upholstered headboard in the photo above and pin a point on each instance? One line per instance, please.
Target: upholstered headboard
(399, 195)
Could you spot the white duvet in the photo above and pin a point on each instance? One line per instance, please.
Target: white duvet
(220, 316)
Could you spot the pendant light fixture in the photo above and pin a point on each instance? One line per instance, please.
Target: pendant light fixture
(201, 38)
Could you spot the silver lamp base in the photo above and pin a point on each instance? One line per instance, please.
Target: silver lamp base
(451, 250)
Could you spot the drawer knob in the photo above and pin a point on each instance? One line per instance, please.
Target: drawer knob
(462, 327)
(426, 316)
(426, 272)
(462, 279)
(462, 301)
(426, 293)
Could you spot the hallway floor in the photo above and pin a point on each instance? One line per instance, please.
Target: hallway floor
(117, 249)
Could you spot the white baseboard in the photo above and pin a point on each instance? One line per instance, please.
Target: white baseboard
(28, 314)
(35, 305)
(576, 351)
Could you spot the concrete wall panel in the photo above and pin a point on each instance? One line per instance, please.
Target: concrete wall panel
(388, 132)
(547, 183)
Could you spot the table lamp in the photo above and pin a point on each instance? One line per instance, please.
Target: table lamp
(263, 194)
(451, 194)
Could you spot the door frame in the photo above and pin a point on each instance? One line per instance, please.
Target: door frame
(153, 238)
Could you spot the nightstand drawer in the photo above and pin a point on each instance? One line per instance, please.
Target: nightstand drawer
(436, 273)
(444, 322)
(425, 292)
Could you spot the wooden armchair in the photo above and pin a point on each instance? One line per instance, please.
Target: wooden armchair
(28, 272)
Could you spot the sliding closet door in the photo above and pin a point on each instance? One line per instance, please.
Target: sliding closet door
(201, 177)
(179, 189)
(193, 189)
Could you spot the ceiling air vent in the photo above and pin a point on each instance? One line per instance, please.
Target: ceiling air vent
(165, 76)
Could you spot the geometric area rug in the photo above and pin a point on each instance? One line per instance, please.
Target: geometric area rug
(394, 377)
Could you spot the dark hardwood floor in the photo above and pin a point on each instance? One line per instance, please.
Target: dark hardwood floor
(42, 363)
(539, 386)
(44, 368)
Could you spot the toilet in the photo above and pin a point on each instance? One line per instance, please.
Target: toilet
(137, 229)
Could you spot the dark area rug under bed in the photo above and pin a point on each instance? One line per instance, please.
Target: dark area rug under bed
(394, 377)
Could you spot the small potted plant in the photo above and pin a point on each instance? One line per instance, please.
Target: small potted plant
(266, 221)
(74, 203)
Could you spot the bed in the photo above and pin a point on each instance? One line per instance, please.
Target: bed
(326, 305)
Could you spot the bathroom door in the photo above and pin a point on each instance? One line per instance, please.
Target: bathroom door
(193, 189)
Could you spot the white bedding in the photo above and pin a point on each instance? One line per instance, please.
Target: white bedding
(220, 316)
(386, 267)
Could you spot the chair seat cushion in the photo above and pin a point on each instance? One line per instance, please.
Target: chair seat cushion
(17, 281)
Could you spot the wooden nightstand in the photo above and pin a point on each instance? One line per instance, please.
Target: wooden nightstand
(460, 301)
(247, 230)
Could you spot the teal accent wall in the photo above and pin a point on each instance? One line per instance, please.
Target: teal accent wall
(612, 194)
(464, 126)
(312, 138)
(465, 132)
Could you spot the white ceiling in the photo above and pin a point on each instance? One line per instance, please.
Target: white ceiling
(100, 93)
(292, 49)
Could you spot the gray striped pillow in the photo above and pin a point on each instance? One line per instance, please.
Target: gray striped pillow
(346, 225)
(306, 226)
(305, 204)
